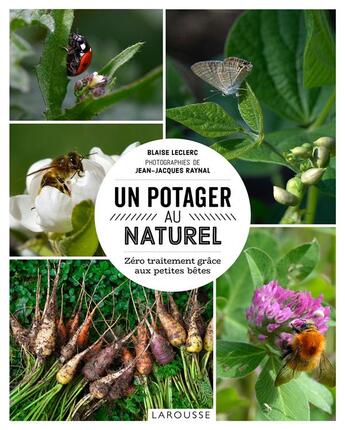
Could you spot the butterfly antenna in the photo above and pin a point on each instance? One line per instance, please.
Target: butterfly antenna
(215, 93)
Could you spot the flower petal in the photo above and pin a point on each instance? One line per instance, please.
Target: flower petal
(54, 209)
(23, 213)
(41, 164)
(97, 155)
(86, 187)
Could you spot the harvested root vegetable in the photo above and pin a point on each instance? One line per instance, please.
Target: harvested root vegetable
(89, 355)
(122, 385)
(19, 333)
(61, 333)
(100, 389)
(195, 310)
(208, 339)
(174, 310)
(37, 316)
(175, 332)
(97, 366)
(194, 340)
(67, 372)
(83, 334)
(46, 335)
(73, 324)
(161, 348)
(143, 357)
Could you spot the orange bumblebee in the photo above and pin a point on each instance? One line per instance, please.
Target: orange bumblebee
(306, 353)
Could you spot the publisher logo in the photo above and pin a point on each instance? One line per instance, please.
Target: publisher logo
(172, 214)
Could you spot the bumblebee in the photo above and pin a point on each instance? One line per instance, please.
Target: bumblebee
(306, 353)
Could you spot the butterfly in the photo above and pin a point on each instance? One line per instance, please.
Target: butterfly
(226, 76)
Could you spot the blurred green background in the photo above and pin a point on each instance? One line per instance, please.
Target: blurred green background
(108, 32)
(236, 398)
(33, 142)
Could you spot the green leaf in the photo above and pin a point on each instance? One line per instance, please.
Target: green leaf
(235, 148)
(22, 17)
(317, 394)
(119, 60)
(51, 71)
(262, 238)
(19, 49)
(90, 107)
(82, 241)
(273, 40)
(208, 119)
(236, 284)
(298, 263)
(261, 266)
(250, 110)
(229, 399)
(276, 143)
(237, 359)
(327, 184)
(287, 402)
(319, 51)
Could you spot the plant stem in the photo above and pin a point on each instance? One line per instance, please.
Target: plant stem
(324, 113)
(312, 198)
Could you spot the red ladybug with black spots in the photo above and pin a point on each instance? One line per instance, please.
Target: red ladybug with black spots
(79, 54)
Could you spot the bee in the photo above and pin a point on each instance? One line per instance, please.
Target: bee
(306, 353)
(61, 170)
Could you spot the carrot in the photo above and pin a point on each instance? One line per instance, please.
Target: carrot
(195, 308)
(94, 351)
(71, 347)
(121, 388)
(194, 340)
(20, 333)
(175, 332)
(174, 310)
(61, 331)
(144, 361)
(37, 316)
(160, 348)
(69, 369)
(83, 335)
(208, 339)
(100, 389)
(73, 322)
(98, 364)
(46, 335)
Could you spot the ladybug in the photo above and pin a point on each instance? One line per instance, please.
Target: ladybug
(79, 54)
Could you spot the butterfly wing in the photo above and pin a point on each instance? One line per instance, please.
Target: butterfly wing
(226, 76)
(235, 71)
(326, 371)
(211, 72)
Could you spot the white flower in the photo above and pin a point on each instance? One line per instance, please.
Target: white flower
(49, 209)
(97, 80)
